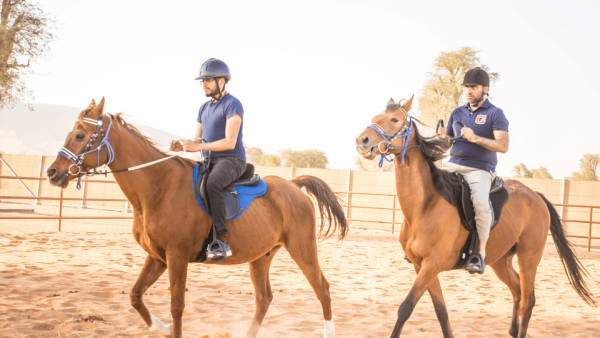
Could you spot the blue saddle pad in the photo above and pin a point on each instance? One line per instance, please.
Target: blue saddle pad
(235, 206)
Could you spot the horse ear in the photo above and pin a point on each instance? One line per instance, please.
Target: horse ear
(406, 106)
(97, 111)
(92, 104)
(391, 101)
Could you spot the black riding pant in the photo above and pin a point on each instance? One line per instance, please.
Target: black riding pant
(224, 171)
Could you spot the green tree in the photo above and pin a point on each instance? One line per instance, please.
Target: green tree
(541, 172)
(588, 168)
(270, 160)
(373, 165)
(443, 91)
(25, 35)
(520, 170)
(254, 155)
(311, 158)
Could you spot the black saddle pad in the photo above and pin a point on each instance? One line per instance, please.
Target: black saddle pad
(498, 197)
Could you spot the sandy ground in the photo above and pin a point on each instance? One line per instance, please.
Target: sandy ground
(76, 283)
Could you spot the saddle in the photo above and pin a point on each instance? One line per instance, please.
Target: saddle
(466, 211)
(230, 193)
(238, 196)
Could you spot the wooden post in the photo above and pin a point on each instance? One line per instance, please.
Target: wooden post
(393, 213)
(83, 195)
(562, 199)
(60, 210)
(590, 234)
(348, 193)
(39, 183)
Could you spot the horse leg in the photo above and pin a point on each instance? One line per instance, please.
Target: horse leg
(151, 271)
(177, 264)
(305, 255)
(503, 268)
(259, 273)
(528, 263)
(435, 291)
(427, 274)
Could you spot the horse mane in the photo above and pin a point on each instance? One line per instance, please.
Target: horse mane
(446, 183)
(136, 132)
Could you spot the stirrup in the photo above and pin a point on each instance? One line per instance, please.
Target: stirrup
(475, 264)
(407, 259)
(218, 251)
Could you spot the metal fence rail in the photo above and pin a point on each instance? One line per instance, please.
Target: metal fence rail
(348, 206)
(60, 217)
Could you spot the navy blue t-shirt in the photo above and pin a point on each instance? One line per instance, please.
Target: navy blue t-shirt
(484, 120)
(213, 117)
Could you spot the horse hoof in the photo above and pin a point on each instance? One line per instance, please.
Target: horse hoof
(159, 327)
(329, 329)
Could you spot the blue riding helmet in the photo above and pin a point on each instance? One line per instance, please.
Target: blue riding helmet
(214, 68)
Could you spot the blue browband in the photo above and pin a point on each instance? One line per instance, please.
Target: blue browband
(405, 136)
(77, 160)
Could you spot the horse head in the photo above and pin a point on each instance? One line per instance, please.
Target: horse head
(87, 136)
(386, 129)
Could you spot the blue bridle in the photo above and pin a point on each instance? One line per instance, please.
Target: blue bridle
(77, 160)
(404, 134)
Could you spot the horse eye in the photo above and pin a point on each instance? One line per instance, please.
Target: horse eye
(394, 119)
(80, 137)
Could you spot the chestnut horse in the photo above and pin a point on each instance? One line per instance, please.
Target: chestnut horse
(171, 227)
(432, 234)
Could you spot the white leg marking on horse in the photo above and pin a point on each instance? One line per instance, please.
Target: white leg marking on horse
(160, 327)
(329, 329)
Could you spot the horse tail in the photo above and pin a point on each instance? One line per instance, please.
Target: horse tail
(329, 205)
(575, 271)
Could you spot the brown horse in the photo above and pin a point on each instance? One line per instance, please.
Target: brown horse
(432, 234)
(171, 227)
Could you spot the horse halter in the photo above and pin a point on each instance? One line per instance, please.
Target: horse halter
(404, 133)
(77, 160)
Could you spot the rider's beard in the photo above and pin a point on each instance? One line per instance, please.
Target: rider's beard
(211, 93)
(477, 99)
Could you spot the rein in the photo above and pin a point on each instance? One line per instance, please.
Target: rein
(77, 160)
(404, 133)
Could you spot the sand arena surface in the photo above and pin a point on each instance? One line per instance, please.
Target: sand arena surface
(76, 284)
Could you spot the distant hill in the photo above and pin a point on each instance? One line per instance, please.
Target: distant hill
(43, 130)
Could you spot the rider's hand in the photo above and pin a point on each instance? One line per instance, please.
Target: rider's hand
(176, 146)
(468, 133)
(442, 133)
(191, 146)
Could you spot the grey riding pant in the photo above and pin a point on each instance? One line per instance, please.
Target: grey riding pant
(480, 182)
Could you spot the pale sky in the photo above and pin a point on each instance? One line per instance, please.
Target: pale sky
(312, 74)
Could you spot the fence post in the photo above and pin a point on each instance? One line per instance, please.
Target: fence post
(393, 213)
(348, 193)
(590, 234)
(83, 195)
(60, 210)
(562, 199)
(39, 183)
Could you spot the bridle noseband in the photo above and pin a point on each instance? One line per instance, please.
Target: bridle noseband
(404, 133)
(77, 160)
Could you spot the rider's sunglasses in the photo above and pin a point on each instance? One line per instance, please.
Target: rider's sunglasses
(209, 80)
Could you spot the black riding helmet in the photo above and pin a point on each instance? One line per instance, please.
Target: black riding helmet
(215, 68)
(476, 76)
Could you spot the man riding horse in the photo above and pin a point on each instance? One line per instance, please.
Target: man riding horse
(220, 125)
(485, 133)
